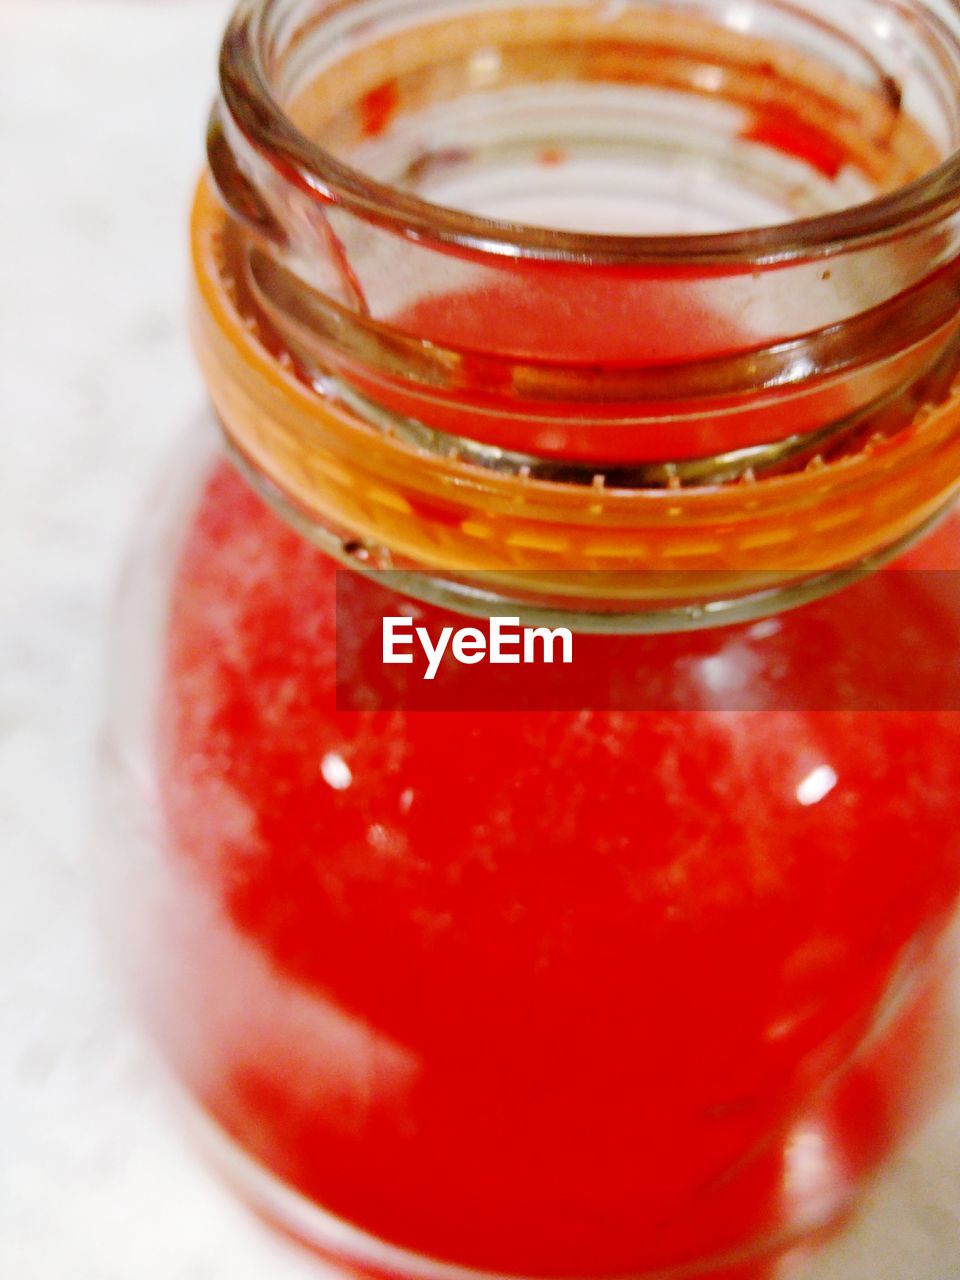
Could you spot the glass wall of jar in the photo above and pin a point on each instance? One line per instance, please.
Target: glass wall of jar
(642, 317)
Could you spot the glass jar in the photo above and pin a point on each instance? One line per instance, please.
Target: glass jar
(648, 985)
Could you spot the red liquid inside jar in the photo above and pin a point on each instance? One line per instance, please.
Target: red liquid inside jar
(604, 324)
(543, 993)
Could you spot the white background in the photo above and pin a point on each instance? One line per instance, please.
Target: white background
(102, 111)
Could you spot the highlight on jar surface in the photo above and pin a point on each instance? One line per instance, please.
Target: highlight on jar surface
(635, 319)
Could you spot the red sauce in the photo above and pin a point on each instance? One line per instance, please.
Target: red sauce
(378, 108)
(795, 137)
(542, 993)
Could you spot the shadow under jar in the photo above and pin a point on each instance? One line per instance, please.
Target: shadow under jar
(639, 317)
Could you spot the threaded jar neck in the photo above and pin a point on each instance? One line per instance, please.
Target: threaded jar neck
(424, 338)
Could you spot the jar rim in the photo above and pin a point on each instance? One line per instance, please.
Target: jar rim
(318, 459)
(258, 112)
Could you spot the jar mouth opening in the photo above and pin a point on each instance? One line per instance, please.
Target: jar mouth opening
(260, 114)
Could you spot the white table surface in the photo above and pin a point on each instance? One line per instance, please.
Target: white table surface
(102, 109)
